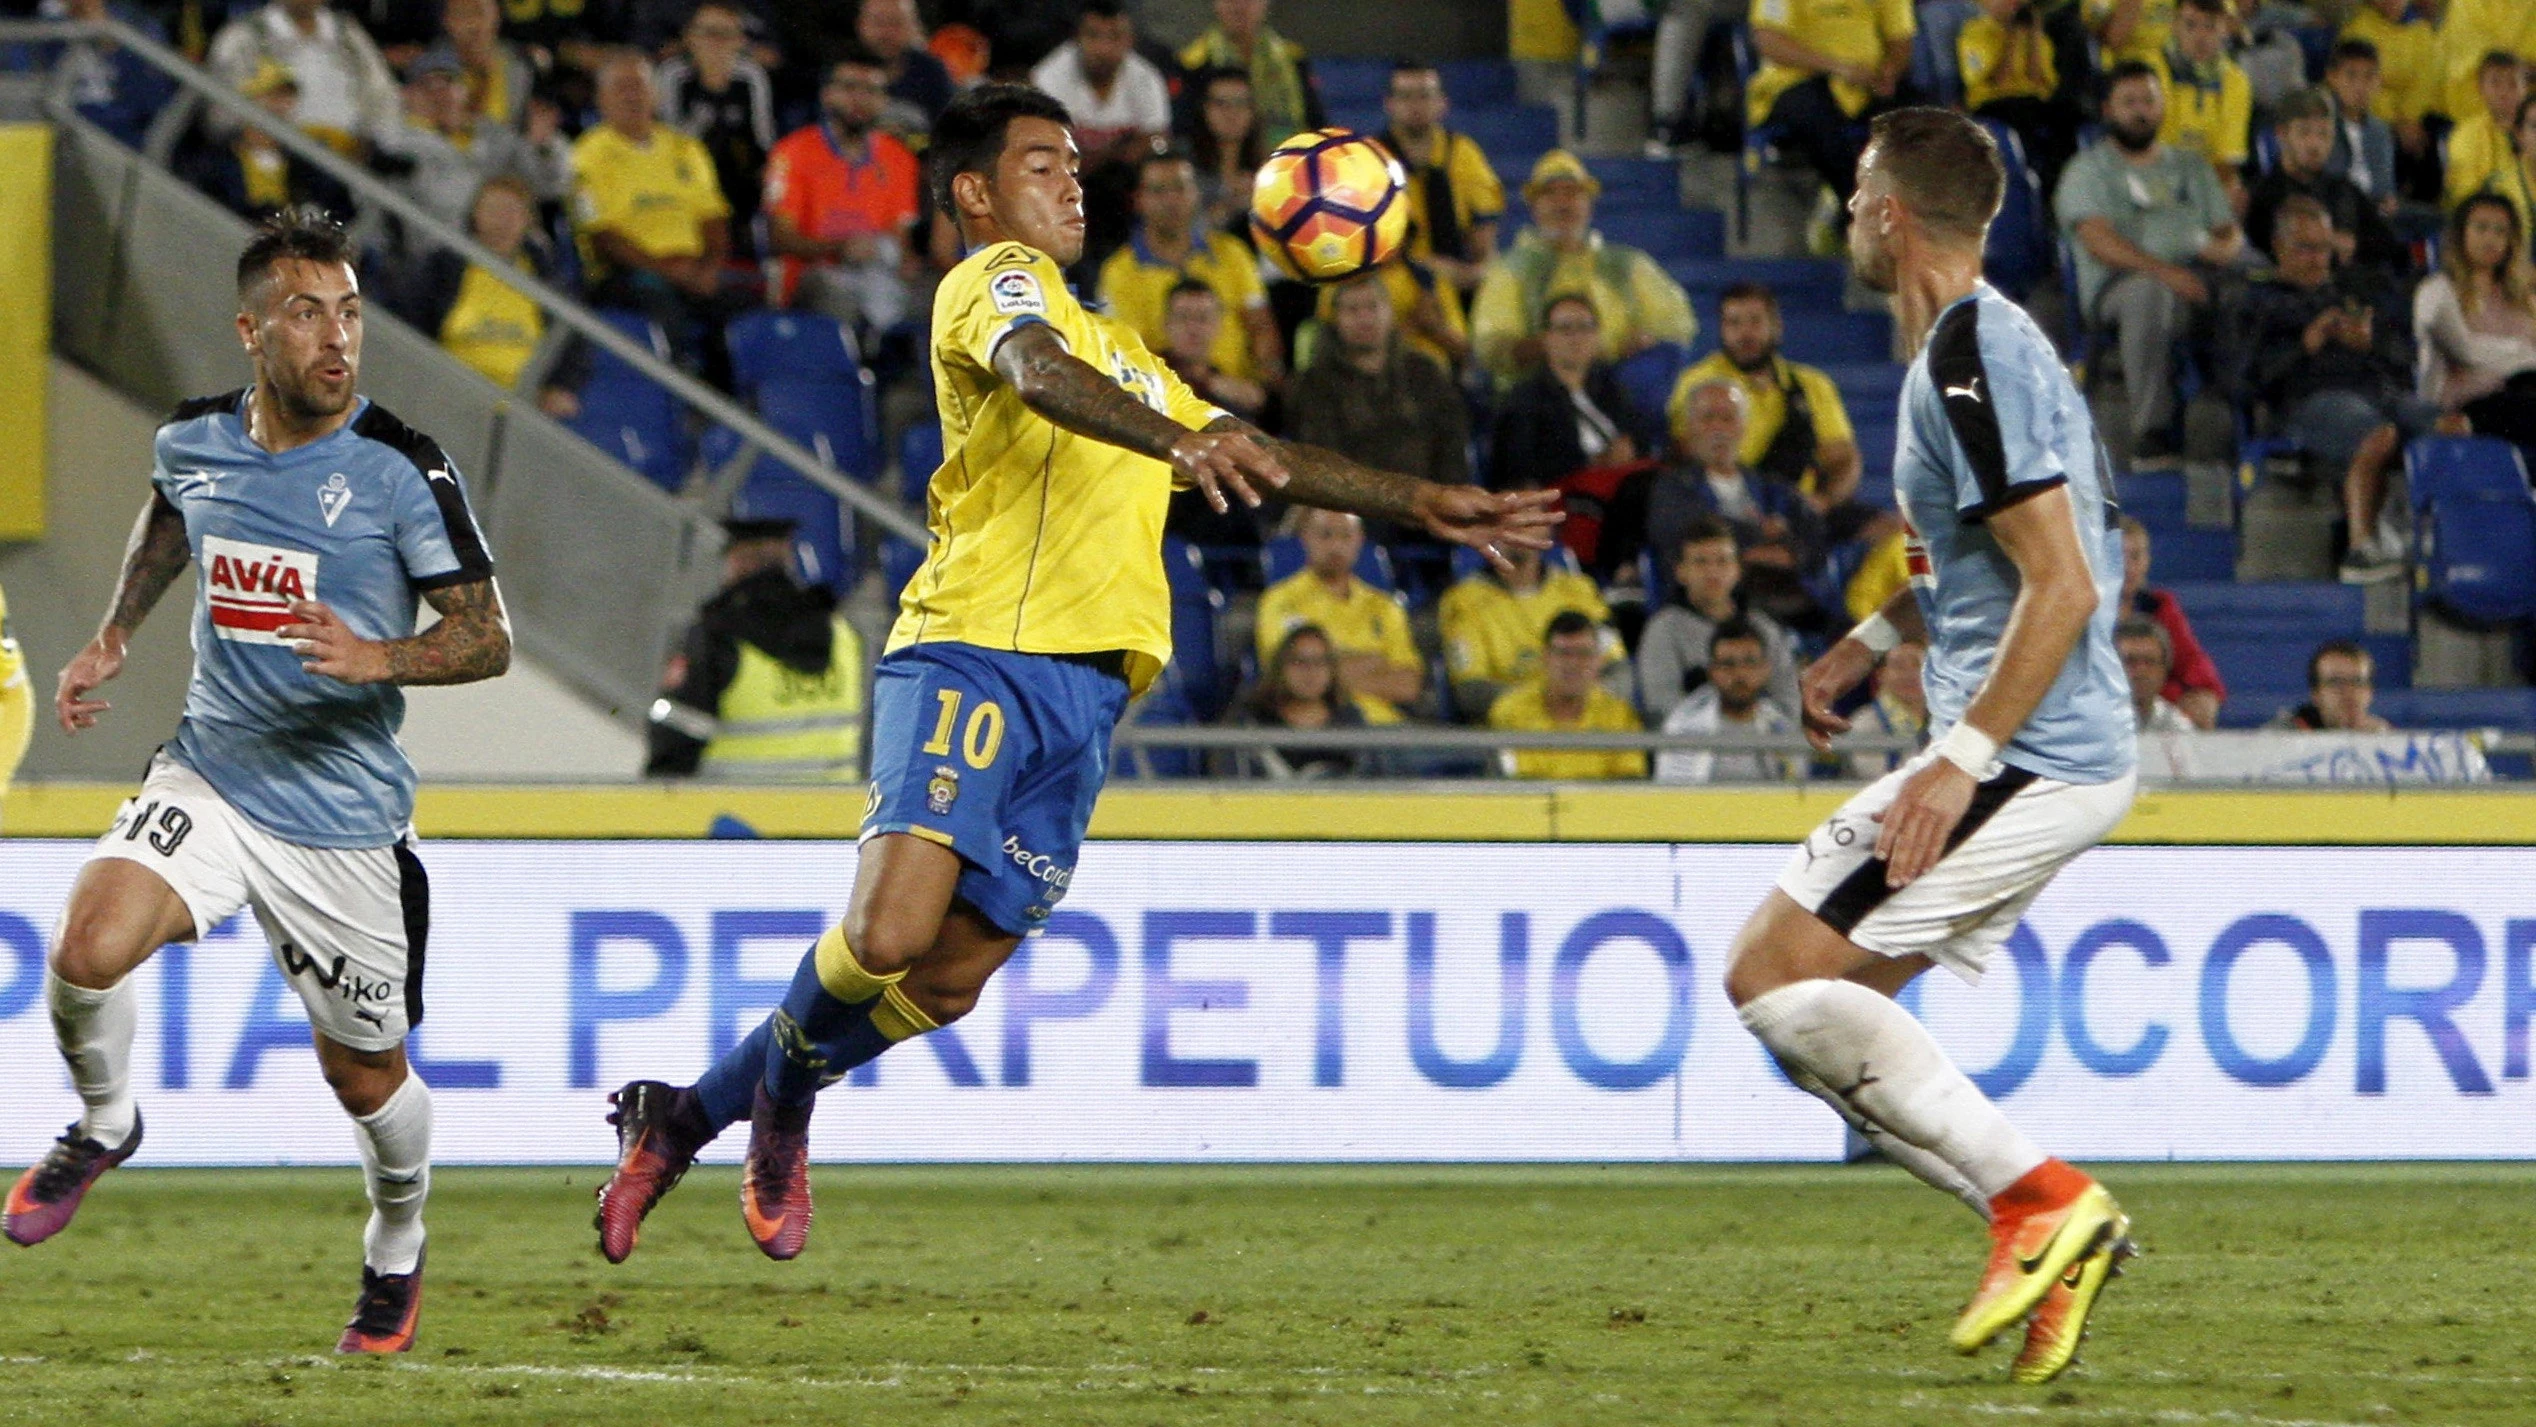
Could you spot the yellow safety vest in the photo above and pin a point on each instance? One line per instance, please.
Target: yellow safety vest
(778, 724)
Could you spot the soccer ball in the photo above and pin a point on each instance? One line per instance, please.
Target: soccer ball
(1329, 204)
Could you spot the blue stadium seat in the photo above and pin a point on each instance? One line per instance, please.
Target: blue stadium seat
(1665, 234)
(2511, 710)
(1632, 182)
(1508, 128)
(2157, 497)
(2017, 256)
(1796, 282)
(1195, 607)
(835, 422)
(2193, 553)
(1836, 336)
(2474, 527)
(2302, 613)
(823, 544)
(1648, 376)
(627, 414)
(1282, 557)
(796, 347)
(919, 456)
(1351, 83)
(1165, 705)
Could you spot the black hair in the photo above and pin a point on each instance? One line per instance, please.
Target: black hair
(969, 137)
(2347, 50)
(1203, 147)
(2207, 7)
(302, 234)
(2347, 648)
(1703, 528)
(1168, 154)
(1566, 622)
(1747, 290)
(2131, 69)
(1186, 286)
(2497, 59)
(1735, 626)
(1103, 9)
(1411, 64)
(849, 50)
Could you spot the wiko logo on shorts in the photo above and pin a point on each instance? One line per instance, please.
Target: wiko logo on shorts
(251, 587)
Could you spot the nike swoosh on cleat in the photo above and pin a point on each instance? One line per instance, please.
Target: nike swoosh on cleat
(2028, 1264)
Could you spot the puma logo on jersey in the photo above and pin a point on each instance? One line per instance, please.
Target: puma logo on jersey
(1971, 389)
(332, 497)
(250, 587)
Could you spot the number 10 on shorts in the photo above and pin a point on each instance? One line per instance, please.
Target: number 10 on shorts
(980, 741)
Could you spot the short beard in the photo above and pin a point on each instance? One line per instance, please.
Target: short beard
(2130, 145)
(1761, 363)
(1876, 271)
(847, 129)
(304, 404)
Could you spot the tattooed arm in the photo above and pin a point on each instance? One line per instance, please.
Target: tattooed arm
(152, 559)
(1464, 515)
(1078, 396)
(471, 642)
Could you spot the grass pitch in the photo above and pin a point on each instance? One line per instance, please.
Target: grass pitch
(1811, 1297)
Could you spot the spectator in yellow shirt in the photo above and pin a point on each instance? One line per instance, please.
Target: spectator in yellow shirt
(1797, 429)
(1492, 626)
(1455, 197)
(2131, 29)
(1638, 303)
(1378, 660)
(654, 226)
(1166, 247)
(2479, 148)
(17, 702)
(1567, 698)
(2209, 101)
(2010, 75)
(1825, 64)
(2469, 30)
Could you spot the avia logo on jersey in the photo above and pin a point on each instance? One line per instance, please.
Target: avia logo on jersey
(251, 587)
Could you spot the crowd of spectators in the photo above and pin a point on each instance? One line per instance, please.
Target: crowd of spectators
(2347, 261)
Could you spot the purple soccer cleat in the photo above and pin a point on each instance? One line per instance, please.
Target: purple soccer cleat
(44, 1198)
(775, 1183)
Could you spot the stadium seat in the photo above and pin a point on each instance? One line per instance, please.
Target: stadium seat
(1648, 376)
(2156, 497)
(629, 415)
(2018, 254)
(793, 347)
(919, 456)
(2510, 710)
(1665, 234)
(823, 538)
(835, 422)
(2193, 553)
(1282, 557)
(1196, 605)
(2474, 527)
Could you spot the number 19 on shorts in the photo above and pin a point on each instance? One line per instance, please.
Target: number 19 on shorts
(980, 740)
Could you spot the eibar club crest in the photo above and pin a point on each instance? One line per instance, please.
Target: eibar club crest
(333, 496)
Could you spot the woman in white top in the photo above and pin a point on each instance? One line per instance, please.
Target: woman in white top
(2474, 322)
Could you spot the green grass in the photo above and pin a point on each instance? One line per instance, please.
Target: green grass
(1811, 1297)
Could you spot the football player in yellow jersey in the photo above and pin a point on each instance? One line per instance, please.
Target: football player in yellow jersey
(1040, 610)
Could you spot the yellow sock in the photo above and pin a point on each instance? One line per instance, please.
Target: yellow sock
(845, 977)
(898, 1018)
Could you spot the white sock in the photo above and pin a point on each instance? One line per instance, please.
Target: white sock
(1869, 1053)
(1927, 1168)
(395, 1142)
(94, 1031)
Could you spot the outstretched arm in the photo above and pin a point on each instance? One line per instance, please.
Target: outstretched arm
(152, 559)
(1487, 521)
(472, 641)
(1078, 396)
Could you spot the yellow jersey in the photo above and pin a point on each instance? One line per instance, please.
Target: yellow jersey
(1362, 621)
(1462, 178)
(657, 195)
(2004, 61)
(492, 326)
(1135, 287)
(1855, 31)
(1765, 401)
(1492, 633)
(2479, 156)
(2408, 64)
(1042, 541)
(2469, 30)
(2213, 117)
(2148, 36)
(1522, 709)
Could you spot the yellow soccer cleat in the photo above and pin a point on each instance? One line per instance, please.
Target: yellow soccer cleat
(2052, 1335)
(2042, 1224)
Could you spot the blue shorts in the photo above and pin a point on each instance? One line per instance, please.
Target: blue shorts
(997, 756)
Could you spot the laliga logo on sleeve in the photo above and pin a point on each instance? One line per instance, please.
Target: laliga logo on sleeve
(1016, 291)
(333, 497)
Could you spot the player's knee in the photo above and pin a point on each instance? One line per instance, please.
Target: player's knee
(885, 944)
(91, 951)
(363, 1081)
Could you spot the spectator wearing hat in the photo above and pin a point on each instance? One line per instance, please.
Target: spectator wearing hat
(2304, 125)
(447, 152)
(1638, 305)
(346, 93)
(255, 177)
(767, 684)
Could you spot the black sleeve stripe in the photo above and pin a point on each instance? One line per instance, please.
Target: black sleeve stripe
(1963, 390)
(2021, 491)
(441, 479)
(195, 408)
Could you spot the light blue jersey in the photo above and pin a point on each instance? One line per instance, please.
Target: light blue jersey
(364, 520)
(1989, 418)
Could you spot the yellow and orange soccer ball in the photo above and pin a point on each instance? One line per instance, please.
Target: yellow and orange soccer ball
(1329, 204)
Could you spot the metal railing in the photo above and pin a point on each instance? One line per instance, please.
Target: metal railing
(200, 90)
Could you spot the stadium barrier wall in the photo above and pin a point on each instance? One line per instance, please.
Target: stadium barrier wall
(1224, 1001)
(26, 295)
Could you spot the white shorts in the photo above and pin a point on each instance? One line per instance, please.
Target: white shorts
(2019, 831)
(347, 925)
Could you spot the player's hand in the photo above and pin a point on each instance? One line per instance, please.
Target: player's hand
(1489, 521)
(326, 645)
(1919, 820)
(90, 667)
(1218, 461)
(1826, 682)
